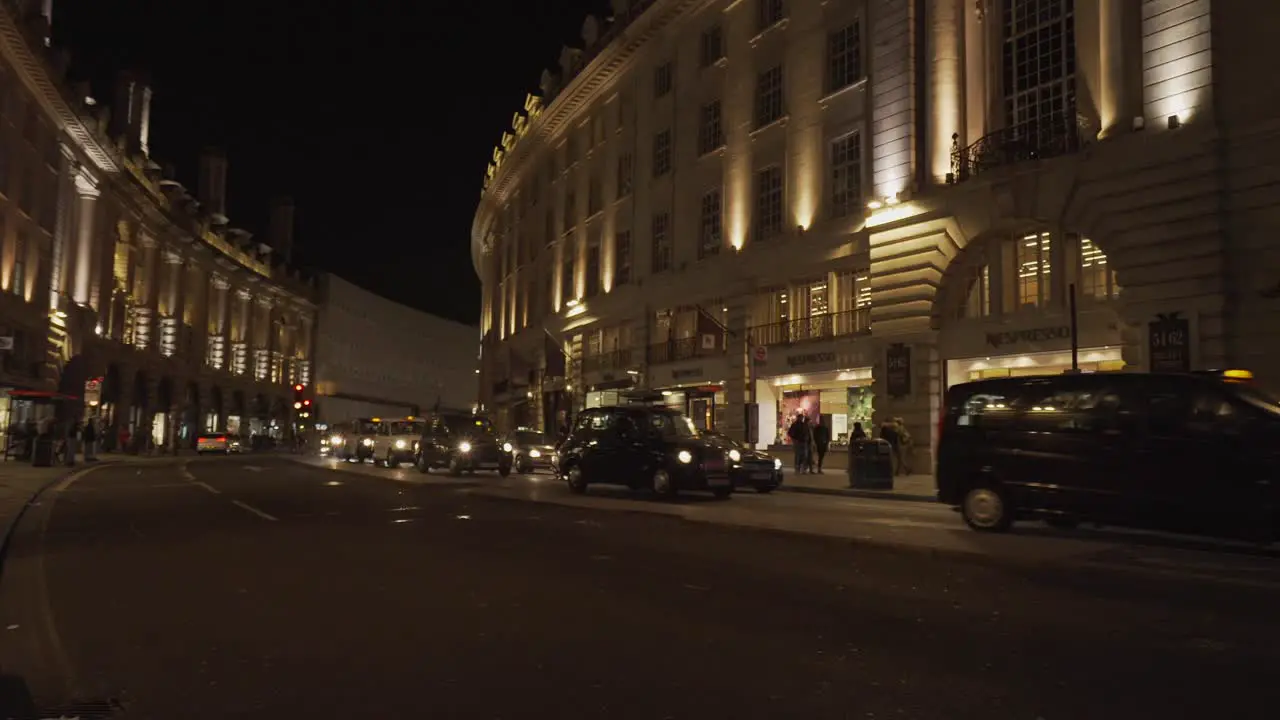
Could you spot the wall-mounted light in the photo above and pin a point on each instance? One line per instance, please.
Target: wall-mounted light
(875, 205)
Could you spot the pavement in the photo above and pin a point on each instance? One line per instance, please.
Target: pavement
(260, 587)
(833, 481)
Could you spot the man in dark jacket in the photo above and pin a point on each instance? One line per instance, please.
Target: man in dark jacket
(799, 434)
(821, 439)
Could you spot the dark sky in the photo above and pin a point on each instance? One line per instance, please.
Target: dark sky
(377, 116)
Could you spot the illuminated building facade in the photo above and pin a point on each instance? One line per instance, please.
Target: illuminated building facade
(849, 206)
(121, 292)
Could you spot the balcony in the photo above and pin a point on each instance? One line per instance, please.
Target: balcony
(615, 360)
(814, 327)
(1035, 140)
(689, 348)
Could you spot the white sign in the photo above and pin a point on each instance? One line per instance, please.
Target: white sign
(6, 342)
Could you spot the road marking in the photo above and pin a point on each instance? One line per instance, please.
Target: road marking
(207, 486)
(254, 510)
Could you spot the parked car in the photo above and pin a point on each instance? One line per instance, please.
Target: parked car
(643, 448)
(529, 450)
(460, 443)
(1185, 453)
(749, 467)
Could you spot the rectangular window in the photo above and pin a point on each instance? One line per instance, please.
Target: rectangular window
(568, 283)
(595, 199)
(662, 153)
(768, 202)
(662, 80)
(844, 58)
(570, 211)
(593, 268)
(770, 13)
(710, 129)
(769, 106)
(661, 242)
(19, 281)
(710, 236)
(625, 164)
(846, 175)
(1033, 260)
(1038, 67)
(977, 299)
(1097, 279)
(711, 46)
(622, 257)
(852, 302)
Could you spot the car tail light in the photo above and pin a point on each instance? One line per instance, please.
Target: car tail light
(222, 438)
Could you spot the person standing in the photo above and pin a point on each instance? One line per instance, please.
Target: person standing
(89, 436)
(799, 435)
(858, 433)
(73, 442)
(821, 441)
(889, 433)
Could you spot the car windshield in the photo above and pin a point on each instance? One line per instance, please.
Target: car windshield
(721, 437)
(531, 438)
(366, 427)
(468, 425)
(673, 425)
(406, 427)
(1257, 397)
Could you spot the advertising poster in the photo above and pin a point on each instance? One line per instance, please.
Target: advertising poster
(794, 402)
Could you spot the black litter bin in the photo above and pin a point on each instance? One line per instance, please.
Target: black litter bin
(871, 465)
(42, 451)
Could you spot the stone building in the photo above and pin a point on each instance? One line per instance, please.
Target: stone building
(755, 206)
(123, 295)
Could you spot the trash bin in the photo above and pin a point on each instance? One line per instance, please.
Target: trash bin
(42, 451)
(871, 465)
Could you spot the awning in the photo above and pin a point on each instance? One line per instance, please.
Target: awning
(40, 395)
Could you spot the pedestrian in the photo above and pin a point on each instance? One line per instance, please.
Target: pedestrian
(90, 438)
(821, 441)
(858, 432)
(905, 446)
(124, 439)
(889, 433)
(72, 440)
(799, 435)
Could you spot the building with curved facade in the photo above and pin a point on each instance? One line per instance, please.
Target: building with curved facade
(122, 295)
(756, 206)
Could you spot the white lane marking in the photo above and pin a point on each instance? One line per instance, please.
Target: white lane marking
(253, 468)
(207, 486)
(254, 510)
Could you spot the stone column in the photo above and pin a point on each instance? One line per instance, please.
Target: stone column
(1112, 103)
(945, 83)
(737, 391)
(86, 210)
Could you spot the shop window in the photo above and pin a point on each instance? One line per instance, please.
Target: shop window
(977, 298)
(1032, 264)
(1097, 279)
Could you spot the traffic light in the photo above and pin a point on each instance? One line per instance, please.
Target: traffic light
(299, 397)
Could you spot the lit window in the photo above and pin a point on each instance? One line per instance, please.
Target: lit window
(1097, 278)
(1032, 265)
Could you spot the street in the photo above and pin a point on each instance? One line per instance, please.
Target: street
(262, 587)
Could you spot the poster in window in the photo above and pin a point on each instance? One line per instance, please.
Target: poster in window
(795, 403)
(1169, 343)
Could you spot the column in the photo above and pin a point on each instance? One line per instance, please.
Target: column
(919, 405)
(737, 391)
(1112, 103)
(945, 83)
(86, 205)
(975, 72)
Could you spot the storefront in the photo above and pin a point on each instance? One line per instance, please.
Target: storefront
(1036, 346)
(829, 382)
(694, 387)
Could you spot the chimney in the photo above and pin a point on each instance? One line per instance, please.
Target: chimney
(212, 188)
(122, 107)
(141, 135)
(280, 232)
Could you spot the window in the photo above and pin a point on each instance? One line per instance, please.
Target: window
(770, 13)
(18, 282)
(769, 96)
(570, 211)
(1038, 67)
(1097, 279)
(844, 58)
(662, 153)
(593, 268)
(852, 301)
(711, 46)
(595, 201)
(709, 232)
(597, 129)
(1032, 263)
(977, 299)
(846, 175)
(768, 202)
(568, 283)
(661, 242)
(710, 130)
(622, 257)
(662, 80)
(625, 164)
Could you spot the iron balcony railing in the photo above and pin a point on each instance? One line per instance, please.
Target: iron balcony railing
(688, 348)
(814, 327)
(1034, 140)
(613, 360)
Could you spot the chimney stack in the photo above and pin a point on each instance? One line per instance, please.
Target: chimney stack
(131, 113)
(280, 232)
(212, 188)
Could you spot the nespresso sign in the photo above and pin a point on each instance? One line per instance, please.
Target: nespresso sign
(810, 359)
(1033, 335)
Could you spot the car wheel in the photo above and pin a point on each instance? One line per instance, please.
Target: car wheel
(386, 461)
(504, 469)
(522, 466)
(986, 508)
(455, 466)
(722, 493)
(577, 483)
(423, 467)
(662, 484)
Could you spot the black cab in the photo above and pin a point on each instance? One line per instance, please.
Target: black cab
(460, 442)
(643, 448)
(1185, 453)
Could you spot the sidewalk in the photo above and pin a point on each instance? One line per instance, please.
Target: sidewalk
(19, 483)
(832, 481)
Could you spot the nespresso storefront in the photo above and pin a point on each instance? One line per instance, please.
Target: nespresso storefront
(1026, 346)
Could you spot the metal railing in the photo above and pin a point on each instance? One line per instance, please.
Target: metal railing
(814, 327)
(1033, 140)
(613, 360)
(688, 348)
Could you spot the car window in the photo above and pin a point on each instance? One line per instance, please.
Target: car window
(600, 421)
(673, 425)
(985, 409)
(531, 438)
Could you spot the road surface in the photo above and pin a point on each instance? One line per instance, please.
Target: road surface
(264, 588)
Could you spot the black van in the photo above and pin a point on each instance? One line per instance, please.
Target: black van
(1185, 453)
(460, 442)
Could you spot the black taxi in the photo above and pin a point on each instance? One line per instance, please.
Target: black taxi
(460, 443)
(643, 448)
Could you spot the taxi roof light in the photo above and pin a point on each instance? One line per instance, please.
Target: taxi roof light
(1237, 374)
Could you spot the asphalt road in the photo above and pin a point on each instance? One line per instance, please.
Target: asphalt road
(262, 588)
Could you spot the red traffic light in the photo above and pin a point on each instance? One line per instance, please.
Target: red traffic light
(299, 387)
(306, 403)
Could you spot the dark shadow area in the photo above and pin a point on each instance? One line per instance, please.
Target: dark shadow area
(15, 698)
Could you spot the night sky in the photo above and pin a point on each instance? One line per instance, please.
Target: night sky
(377, 116)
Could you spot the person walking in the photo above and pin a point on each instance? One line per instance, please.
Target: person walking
(89, 436)
(821, 441)
(799, 435)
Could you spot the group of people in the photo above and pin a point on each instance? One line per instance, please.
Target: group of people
(811, 440)
(66, 439)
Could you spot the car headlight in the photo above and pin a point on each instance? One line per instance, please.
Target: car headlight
(367, 442)
(400, 444)
(335, 440)
(415, 446)
(506, 447)
(684, 456)
(464, 446)
(535, 453)
(734, 455)
(777, 464)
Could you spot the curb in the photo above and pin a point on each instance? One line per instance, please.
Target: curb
(12, 523)
(856, 493)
